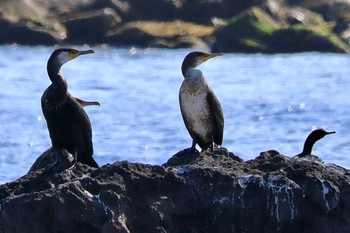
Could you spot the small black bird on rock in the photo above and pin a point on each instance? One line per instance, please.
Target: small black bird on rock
(313, 137)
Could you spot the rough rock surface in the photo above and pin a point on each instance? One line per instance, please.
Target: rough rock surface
(236, 26)
(192, 192)
(254, 30)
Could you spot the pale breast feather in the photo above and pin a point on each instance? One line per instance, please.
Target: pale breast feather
(195, 110)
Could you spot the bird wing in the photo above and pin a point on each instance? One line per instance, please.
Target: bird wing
(218, 116)
(82, 124)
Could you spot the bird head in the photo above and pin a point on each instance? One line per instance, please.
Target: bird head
(317, 134)
(313, 137)
(63, 55)
(194, 59)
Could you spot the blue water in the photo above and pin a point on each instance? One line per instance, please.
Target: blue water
(269, 102)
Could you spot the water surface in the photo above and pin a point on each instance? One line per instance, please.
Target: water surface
(269, 102)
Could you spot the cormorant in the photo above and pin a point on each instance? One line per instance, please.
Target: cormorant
(68, 124)
(200, 108)
(313, 137)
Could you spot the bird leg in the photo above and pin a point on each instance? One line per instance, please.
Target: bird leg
(212, 143)
(193, 147)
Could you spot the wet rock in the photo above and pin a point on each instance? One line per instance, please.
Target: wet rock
(193, 192)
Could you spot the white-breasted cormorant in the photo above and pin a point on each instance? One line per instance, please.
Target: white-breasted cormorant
(68, 124)
(200, 108)
(313, 137)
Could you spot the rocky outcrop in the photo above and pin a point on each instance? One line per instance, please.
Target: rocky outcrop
(192, 192)
(342, 28)
(254, 30)
(113, 22)
(91, 27)
(174, 34)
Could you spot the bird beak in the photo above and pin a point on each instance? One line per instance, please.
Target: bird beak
(212, 55)
(76, 54)
(330, 132)
(216, 55)
(85, 52)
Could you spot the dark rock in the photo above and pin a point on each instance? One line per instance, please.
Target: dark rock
(53, 160)
(203, 12)
(91, 27)
(256, 31)
(188, 157)
(208, 192)
(160, 34)
(157, 10)
(298, 15)
(330, 10)
(241, 26)
(28, 22)
(246, 32)
(342, 28)
(276, 9)
(300, 38)
(122, 7)
(30, 33)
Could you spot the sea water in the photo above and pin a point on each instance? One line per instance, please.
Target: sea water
(269, 102)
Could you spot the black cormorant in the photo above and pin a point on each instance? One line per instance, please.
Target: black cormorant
(200, 108)
(313, 137)
(68, 124)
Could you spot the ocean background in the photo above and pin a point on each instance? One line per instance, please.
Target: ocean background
(269, 102)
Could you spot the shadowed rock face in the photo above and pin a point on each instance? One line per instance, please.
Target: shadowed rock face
(207, 193)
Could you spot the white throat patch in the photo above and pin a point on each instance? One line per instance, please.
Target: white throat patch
(63, 58)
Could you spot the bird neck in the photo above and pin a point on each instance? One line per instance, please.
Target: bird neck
(309, 143)
(59, 85)
(193, 73)
(184, 68)
(54, 72)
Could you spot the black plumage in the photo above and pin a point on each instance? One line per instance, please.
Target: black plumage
(313, 137)
(68, 124)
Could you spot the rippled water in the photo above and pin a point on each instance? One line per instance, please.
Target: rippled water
(269, 102)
